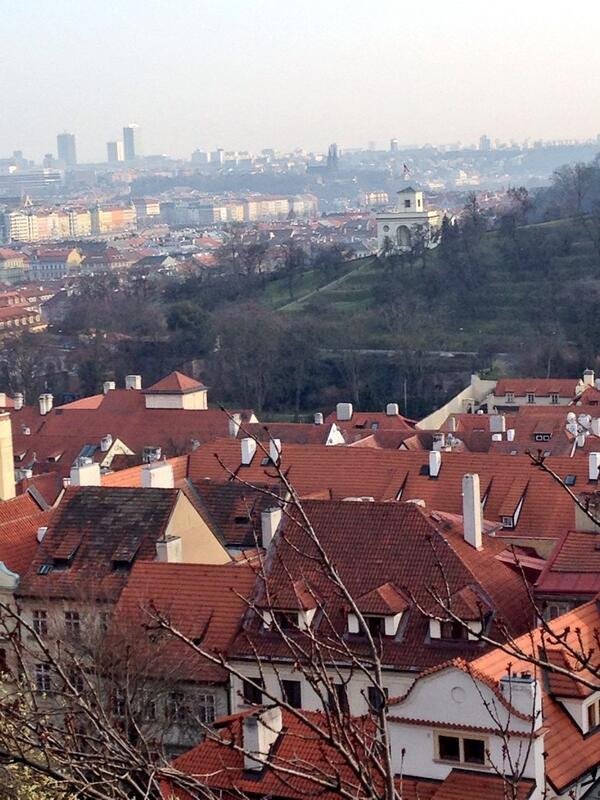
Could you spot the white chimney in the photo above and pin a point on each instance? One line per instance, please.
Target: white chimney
(510, 435)
(269, 522)
(168, 550)
(452, 425)
(133, 381)
(106, 443)
(524, 694)
(435, 463)
(496, 437)
(260, 732)
(2, 399)
(49, 402)
(275, 450)
(588, 377)
(85, 475)
(439, 441)
(41, 532)
(235, 423)
(108, 386)
(497, 423)
(42, 404)
(597, 383)
(318, 418)
(596, 426)
(248, 447)
(580, 441)
(158, 475)
(472, 522)
(593, 466)
(344, 412)
(392, 410)
(18, 401)
(7, 463)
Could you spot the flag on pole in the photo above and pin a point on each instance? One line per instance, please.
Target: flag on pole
(405, 170)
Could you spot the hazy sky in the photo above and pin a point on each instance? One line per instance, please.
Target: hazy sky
(275, 73)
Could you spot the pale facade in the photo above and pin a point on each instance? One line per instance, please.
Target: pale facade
(396, 229)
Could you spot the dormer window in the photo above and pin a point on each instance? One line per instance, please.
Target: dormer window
(593, 715)
(530, 397)
(407, 203)
(453, 630)
(554, 398)
(286, 620)
(510, 397)
(508, 522)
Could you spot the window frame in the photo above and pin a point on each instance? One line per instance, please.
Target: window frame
(39, 621)
(43, 677)
(530, 398)
(207, 708)
(73, 624)
(250, 693)
(291, 691)
(461, 737)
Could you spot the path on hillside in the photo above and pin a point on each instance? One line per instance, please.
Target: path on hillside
(331, 285)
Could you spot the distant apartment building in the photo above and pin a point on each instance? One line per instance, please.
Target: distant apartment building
(110, 219)
(114, 152)
(34, 183)
(372, 199)
(29, 225)
(66, 150)
(54, 264)
(146, 207)
(12, 266)
(131, 142)
(271, 207)
(305, 205)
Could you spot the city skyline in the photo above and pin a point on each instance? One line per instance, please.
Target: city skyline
(288, 78)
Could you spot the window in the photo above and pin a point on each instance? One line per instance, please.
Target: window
(177, 709)
(552, 610)
(292, 693)
(386, 228)
(510, 397)
(507, 522)
(76, 680)
(530, 397)
(461, 749)
(40, 621)
(42, 677)
(148, 706)
(104, 621)
(206, 708)
(3, 662)
(341, 695)
(452, 629)
(407, 204)
(376, 626)
(376, 698)
(72, 624)
(119, 703)
(287, 620)
(593, 715)
(554, 398)
(252, 694)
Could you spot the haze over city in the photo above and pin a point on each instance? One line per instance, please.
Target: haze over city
(269, 74)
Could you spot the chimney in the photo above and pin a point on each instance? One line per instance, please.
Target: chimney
(524, 694)
(318, 418)
(235, 423)
(275, 450)
(344, 412)
(260, 732)
(452, 425)
(41, 532)
(7, 463)
(593, 466)
(18, 401)
(596, 426)
(168, 550)
(133, 381)
(107, 386)
(49, 402)
(510, 435)
(269, 522)
(106, 443)
(248, 447)
(392, 410)
(597, 383)
(580, 440)
(158, 475)
(497, 423)
(588, 377)
(435, 463)
(472, 522)
(439, 441)
(43, 404)
(85, 474)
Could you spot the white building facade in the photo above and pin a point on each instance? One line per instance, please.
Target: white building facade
(396, 229)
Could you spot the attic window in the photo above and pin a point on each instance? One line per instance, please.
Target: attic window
(570, 480)
(543, 437)
(20, 456)
(554, 398)
(453, 630)
(510, 397)
(55, 457)
(44, 569)
(530, 397)
(241, 520)
(286, 620)
(508, 522)
(424, 470)
(374, 426)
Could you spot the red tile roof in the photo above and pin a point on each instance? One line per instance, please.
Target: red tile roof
(574, 566)
(18, 540)
(542, 387)
(463, 785)
(175, 383)
(393, 550)
(570, 753)
(204, 602)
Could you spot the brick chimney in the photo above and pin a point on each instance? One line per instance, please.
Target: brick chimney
(260, 732)
(472, 520)
(7, 464)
